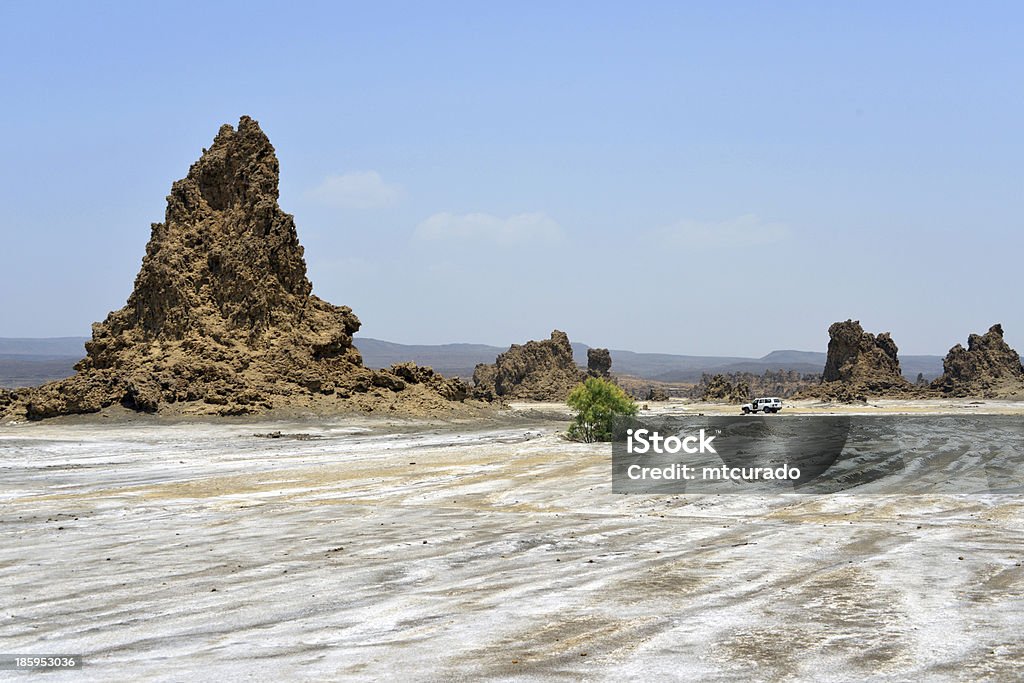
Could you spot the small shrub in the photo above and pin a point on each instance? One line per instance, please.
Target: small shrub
(597, 402)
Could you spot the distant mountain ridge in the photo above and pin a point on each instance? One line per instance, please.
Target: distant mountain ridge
(43, 346)
(31, 361)
(449, 359)
(460, 359)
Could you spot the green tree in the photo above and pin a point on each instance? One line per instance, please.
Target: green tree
(597, 402)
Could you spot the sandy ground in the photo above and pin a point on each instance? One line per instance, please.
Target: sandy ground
(944, 406)
(404, 550)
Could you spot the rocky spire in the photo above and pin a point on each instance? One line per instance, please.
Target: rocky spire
(537, 370)
(222, 317)
(859, 357)
(859, 364)
(987, 367)
(599, 362)
(226, 260)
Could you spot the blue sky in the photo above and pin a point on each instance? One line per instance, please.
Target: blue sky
(707, 178)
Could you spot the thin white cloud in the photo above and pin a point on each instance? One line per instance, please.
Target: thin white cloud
(743, 231)
(356, 190)
(523, 228)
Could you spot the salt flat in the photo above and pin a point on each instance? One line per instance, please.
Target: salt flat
(369, 549)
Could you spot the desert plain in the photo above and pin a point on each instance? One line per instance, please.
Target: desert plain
(376, 546)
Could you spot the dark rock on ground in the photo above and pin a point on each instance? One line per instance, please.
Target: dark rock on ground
(536, 370)
(599, 362)
(657, 394)
(452, 389)
(8, 398)
(988, 368)
(739, 387)
(856, 356)
(721, 388)
(860, 364)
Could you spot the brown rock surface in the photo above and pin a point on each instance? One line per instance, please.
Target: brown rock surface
(722, 388)
(536, 370)
(860, 364)
(222, 317)
(657, 394)
(734, 386)
(599, 362)
(7, 399)
(988, 368)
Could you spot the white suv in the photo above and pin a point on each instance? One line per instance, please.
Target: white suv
(767, 405)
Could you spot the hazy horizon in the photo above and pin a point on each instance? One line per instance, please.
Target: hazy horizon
(630, 175)
(361, 336)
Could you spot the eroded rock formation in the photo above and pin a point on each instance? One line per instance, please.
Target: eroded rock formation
(860, 364)
(222, 317)
(722, 388)
(8, 399)
(657, 394)
(740, 387)
(599, 362)
(988, 368)
(536, 370)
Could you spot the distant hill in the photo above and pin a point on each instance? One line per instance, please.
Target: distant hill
(29, 362)
(789, 357)
(667, 367)
(26, 362)
(656, 365)
(804, 362)
(929, 366)
(31, 371)
(449, 359)
(44, 346)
